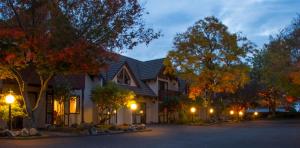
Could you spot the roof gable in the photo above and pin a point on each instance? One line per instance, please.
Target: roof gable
(140, 71)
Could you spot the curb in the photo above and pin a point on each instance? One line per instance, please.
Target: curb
(71, 136)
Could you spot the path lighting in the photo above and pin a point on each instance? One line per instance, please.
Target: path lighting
(193, 110)
(241, 113)
(231, 112)
(211, 110)
(141, 112)
(133, 106)
(10, 99)
(255, 113)
(115, 111)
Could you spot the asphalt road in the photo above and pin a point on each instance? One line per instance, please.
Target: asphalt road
(255, 134)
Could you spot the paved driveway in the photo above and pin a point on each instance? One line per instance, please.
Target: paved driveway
(256, 134)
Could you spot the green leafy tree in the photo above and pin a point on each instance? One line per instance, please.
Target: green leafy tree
(109, 98)
(18, 108)
(210, 58)
(276, 67)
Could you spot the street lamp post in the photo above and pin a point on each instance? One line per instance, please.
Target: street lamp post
(133, 107)
(193, 110)
(241, 113)
(9, 99)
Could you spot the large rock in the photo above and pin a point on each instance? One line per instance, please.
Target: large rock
(33, 132)
(141, 127)
(17, 133)
(25, 132)
(93, 131)
(7, 133)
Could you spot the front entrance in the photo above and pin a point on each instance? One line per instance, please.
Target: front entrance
(58, 111)
(139, 116)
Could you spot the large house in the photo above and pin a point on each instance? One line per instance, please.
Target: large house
(145, 78)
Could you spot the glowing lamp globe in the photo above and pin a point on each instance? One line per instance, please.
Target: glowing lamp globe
(231, 112)
(9, 99)
(133, 106)
(241, 113)
(255, 113)
(193, 109)
(211, 110)
(141, 112)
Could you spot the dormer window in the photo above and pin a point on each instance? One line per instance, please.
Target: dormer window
(123, 77)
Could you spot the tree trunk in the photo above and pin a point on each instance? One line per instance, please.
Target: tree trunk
(44, 85)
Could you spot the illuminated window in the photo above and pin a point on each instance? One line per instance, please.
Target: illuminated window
(74, 105)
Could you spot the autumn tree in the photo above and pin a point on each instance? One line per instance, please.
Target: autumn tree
(61, 37)
(110, 98)
(276, 66)
(210, 58)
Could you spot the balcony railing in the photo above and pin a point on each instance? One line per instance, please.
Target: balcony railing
(167, 93)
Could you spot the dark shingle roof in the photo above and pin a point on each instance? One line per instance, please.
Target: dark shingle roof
(140, 70)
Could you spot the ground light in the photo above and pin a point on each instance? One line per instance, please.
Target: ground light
(211, 110)
(255, 113)
(241, 113)
(193, 110)
(10, 99)
(231, 112)
(141, 112)
(133, 107)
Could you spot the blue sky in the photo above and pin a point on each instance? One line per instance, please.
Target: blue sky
(256, 19)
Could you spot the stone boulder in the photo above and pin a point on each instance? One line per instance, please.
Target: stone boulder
(25, 132)
(132, 128)
(33, 132)
(7, 133)
(17, 133)
(141, 127)
(93, 131)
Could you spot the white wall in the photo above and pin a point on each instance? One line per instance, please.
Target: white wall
(89, 107)
(153, 84)
(151, 111)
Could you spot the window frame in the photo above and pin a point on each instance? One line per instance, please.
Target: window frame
(77, 110)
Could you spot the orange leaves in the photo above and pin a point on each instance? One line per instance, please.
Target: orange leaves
(11, 33)
(290, 99)
(10, 57)
(194, 92)
(295, 77)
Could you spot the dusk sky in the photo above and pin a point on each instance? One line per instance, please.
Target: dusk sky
(256, 19)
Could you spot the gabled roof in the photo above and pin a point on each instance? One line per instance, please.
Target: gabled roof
(141, 70)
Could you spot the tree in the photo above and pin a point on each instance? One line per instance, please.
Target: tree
(276, 66)
(109, 98)
(62, 37)
(17, 107)
(13, 57)
(210, 58)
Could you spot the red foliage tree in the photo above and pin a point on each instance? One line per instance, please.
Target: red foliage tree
(61, 37)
